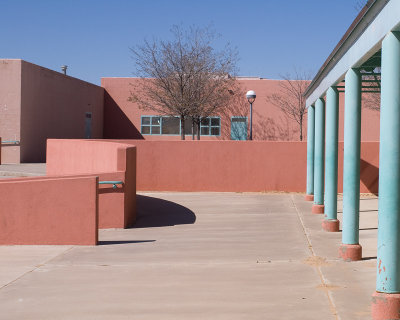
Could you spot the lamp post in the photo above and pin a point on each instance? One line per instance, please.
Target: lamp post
(251, 96)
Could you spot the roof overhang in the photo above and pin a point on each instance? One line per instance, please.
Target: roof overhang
(361, 41)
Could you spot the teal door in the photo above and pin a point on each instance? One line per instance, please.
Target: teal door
(238, 128)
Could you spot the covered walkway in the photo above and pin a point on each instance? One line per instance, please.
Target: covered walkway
(198, 256)
(366, 60)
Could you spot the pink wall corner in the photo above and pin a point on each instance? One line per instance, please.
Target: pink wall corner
(112, 201)
(130, 157)
(10, 108)
(49, 210)
(111, 161)
(53, 105)
(73, 156)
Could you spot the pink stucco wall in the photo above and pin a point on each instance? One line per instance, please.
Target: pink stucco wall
(227, 166)
(53, 105)
(237, 166)
(10, 108)
(122, 117)
(49, 210)
(111, 162)
(369, 121)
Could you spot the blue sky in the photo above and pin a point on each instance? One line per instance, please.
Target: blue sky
(93, 37)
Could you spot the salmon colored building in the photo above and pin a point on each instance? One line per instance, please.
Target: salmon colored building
(37, 104)
(124, 119)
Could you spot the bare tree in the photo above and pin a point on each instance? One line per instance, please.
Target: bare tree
(226, 94)
(372, 100)
(290, 99)
(236, 105)
(185, 76)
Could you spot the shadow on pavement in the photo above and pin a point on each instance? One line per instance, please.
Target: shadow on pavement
(155, 212)
(106, 243)
(368, 258)
(367, 210)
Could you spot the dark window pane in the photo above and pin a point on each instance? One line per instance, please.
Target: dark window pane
(170, 125)
(205, 122)
(145, 120)
(205, 131)
(188, 126)
(215, 131)
(145, 129)
(155, 130)
(155, 121)
(215, 121)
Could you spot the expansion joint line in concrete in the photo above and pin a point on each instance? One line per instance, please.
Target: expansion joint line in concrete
(321, 276)
(35, 268)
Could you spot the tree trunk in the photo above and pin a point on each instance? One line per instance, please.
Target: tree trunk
(198, 128)
(301, 128)
(182, 128)
(193, 123)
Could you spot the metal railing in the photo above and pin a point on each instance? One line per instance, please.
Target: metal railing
(10, 142)
(114, 183)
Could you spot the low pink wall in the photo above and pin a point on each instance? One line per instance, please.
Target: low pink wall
(237, 166)
(111, 162)
(49, 210)
(228, 166)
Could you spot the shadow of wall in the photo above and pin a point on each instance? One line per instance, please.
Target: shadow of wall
(155, 212)
(369, 175)
(116, 124)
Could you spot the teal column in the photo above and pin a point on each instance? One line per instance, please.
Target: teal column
(319, 151)
(386, 299)
(310, 152)
(331, 160)
(350, 249)
(388, 263)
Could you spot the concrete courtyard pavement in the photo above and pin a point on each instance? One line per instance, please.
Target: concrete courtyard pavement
(198, 256)
(22, 170)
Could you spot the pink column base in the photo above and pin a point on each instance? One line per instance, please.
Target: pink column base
(318, 208)
(350, 252)
(309, 197)
(385, 306)
(331, 225)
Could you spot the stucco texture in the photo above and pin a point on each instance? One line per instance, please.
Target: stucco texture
(122, 117)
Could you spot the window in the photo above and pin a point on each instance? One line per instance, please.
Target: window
(151, 125)
(172, 126)
(210, 126)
